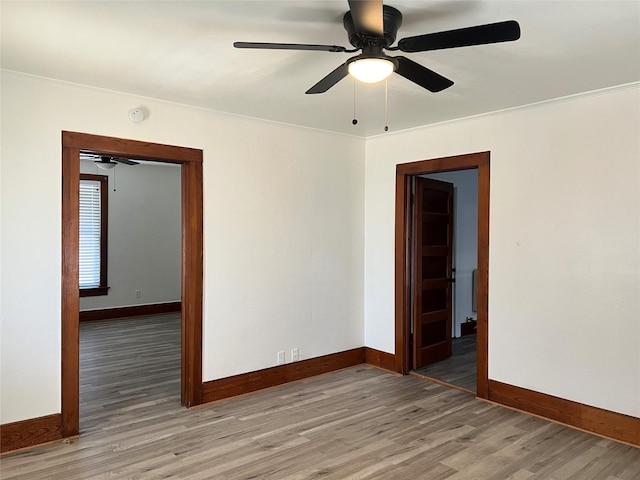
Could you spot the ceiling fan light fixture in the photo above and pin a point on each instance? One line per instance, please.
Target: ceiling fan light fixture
(371, 70)
(105, 165)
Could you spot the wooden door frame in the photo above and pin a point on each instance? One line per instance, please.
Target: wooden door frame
(404, 172)
(190, 160)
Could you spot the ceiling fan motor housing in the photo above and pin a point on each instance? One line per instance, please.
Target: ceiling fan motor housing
(392, 19)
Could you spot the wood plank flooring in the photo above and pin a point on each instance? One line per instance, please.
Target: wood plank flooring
(128, 365)
(358, 423)
(459, 369)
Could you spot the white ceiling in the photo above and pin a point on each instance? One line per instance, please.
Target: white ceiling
(182, 51)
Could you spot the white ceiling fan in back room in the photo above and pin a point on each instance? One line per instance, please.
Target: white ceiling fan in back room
(106, 162)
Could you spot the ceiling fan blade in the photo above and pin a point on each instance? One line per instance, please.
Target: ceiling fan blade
(367, 16)
(432, 81)
(98, 158)
(462, 37)
(89, 156)
(290, 46)
(126, 161)
(330, 80)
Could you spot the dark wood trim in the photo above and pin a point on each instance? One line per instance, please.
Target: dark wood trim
(36, 431)
(134, 149)
(103, 289)
(403, 274)
(133, 311)
(70, 371)
(380, 359)
(482, 326)
(270, 377)
(404, 172)
(192, 270)
(103, 179)
(94, 292)
(28, 433)
(602, 422)
(190, 160)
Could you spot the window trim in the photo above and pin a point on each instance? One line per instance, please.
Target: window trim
(103, 289)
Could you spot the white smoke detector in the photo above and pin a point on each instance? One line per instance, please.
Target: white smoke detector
(136, 115)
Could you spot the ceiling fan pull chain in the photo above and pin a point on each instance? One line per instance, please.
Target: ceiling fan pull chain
(386, 105)
(114, 179)
(355, 120)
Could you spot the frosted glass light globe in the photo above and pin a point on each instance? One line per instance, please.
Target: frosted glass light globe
(371, 70)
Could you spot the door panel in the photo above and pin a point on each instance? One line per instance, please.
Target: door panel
(432, 261)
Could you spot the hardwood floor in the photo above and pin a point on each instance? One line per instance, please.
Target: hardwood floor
(358, 423)
(459, 369)
(128, 366)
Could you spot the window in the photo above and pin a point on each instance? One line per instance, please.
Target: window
(93, 235)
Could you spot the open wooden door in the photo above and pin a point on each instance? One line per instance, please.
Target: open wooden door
(432, 273)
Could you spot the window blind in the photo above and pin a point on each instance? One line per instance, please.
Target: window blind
(89, 233)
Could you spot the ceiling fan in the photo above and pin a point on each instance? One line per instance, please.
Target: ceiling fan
(372, 28)
(105, 162)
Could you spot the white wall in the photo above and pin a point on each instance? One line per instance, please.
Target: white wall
(144, 245)
(283, 233)
(564, 260)
(466, 240)
(285, 211)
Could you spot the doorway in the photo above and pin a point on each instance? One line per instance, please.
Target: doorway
(449, 252)
(192, 260)
(405, 174)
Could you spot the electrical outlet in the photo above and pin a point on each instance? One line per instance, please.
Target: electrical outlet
(294, 355)
(138, 294)
(281, 357)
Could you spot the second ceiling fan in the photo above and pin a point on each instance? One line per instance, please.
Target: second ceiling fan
(372, 28)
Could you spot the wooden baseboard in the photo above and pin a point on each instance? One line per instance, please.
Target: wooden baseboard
(134, 311)
(31, 432)
(380, 359)
(624, 428)
(608, 424)
(37, 431)
(270, 377)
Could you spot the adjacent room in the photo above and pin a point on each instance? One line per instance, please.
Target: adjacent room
(130, 286)
(304, 274)
(455, 364)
